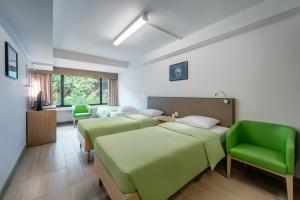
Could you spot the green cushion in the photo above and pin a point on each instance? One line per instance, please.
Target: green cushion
(82, 115)
(262, 157)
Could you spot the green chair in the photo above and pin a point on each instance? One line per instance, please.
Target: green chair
(81, 112)
(270, 147)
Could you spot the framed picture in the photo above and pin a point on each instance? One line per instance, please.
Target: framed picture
(11, 62)
(179, 71)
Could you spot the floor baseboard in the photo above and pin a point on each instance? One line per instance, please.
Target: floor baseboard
(8, 180)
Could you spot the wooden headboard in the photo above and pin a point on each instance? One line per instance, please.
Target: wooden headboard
(210, 107)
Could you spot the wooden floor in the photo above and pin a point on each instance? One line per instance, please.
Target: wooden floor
(59, 171)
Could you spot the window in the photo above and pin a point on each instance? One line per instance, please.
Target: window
(70, 90)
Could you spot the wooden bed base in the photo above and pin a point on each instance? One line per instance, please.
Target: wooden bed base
(86, 145)
(110, 185)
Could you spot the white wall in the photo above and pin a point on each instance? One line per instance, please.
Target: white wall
(12, 111)
(260, 68)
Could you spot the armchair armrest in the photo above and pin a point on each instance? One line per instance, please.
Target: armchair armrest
(73, 110)
(232, 136)
(290, 151)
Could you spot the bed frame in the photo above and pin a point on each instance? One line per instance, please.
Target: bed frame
(211, 107)
(110, 185)
(85, 144)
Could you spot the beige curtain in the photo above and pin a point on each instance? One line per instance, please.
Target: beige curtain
(113, 92)
(41, 82)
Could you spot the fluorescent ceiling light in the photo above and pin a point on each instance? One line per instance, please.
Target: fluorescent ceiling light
(131, 29)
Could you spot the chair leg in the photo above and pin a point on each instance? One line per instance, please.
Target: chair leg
(289, 187)
(228, 166)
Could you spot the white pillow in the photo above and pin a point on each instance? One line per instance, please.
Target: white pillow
(116, 114)
(127, 109)
(152, 112)
(198, 121)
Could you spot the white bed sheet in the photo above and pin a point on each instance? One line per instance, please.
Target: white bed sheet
(220, 130)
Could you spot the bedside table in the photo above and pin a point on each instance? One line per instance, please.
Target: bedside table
(164, 118)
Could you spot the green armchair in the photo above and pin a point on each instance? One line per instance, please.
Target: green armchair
(81, 112)
(270, 147)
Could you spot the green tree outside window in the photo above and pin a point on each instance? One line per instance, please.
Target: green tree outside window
(70, 90)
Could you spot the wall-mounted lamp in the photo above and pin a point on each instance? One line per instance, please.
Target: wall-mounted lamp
(226, 100)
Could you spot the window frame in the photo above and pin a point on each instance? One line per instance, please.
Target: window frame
(62, 89)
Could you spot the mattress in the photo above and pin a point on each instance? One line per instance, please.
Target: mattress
(162, 158)
(221, 131)
(92, 128)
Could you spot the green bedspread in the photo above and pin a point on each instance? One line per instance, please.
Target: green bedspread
(157, 161)
(92, 128)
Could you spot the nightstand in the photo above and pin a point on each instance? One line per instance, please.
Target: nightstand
(164, 118)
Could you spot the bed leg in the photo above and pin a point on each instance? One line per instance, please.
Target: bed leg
(224, 165)
(88, 156)
(100, 183)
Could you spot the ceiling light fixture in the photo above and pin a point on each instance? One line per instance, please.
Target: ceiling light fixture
(137, 24)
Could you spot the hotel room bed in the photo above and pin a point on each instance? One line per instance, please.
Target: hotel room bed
(89, 129)
(155, 162)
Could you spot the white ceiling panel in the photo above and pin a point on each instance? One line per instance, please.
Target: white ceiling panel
(31, 21)
(91, 26)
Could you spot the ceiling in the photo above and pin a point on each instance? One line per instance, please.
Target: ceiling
(90, 26)
(31, 22)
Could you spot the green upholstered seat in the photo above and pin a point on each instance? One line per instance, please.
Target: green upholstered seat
(259, 156)
(81, 112)
(79, 115)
